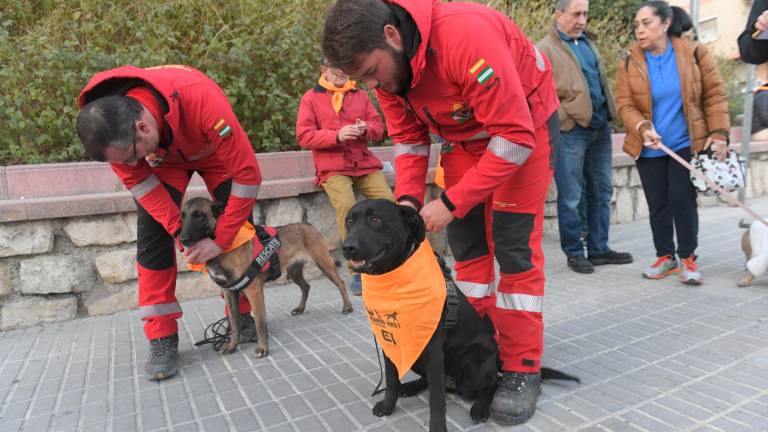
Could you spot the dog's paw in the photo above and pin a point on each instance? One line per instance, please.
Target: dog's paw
(480, 411)
(261, 352)
(346, 310)
(746, 281)
(381, 409)
(297, 311)
(229, 348)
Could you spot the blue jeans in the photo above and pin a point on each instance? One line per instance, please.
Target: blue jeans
(584, 154)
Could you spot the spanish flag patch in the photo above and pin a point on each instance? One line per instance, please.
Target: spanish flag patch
(222, 128)
(482, 71)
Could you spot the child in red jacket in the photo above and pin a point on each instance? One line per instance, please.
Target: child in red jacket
(336, 121)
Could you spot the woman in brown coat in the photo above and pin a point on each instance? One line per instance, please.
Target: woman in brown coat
(668, 90)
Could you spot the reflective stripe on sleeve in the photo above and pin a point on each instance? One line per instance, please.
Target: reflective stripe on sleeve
(144, 187)
(509, 151)
(412, 149)
(244, 191)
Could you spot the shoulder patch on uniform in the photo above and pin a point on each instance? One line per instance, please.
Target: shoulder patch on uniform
(481, 70)
(461, 112)
(222, 128)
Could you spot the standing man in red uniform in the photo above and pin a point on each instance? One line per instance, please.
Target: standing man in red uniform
(467, 73)
(156, 127)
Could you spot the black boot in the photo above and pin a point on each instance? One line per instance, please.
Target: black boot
(579, 264)
(611, 257)
(248, 329)
(515, 399)
(163, 358)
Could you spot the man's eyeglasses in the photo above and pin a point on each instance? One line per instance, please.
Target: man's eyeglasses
(135, 156)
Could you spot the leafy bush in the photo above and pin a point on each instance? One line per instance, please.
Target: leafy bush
(264, 54)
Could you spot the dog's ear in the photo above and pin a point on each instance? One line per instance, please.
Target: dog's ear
(416, 228)
(217, 209)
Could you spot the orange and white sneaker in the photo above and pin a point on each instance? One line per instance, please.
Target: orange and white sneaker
(664, 266)
(689, 271)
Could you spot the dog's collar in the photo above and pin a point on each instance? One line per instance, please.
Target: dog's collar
(257, 265)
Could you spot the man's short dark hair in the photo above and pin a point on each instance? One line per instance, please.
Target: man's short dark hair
(108, 121)
(352, 28)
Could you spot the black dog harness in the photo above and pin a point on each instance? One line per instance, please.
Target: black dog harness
(452, 295)
(268, 254)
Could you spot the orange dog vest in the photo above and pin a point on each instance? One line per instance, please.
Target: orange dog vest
(404, 306)
(246, 233)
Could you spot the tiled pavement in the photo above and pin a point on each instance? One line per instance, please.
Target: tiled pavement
(653, 356)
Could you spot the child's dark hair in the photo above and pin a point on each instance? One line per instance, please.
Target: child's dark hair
(680, 21)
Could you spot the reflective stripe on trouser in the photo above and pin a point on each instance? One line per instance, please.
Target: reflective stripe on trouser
(512, 218)
(155, 248)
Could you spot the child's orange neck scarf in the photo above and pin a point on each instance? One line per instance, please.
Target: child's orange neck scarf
(338, 92)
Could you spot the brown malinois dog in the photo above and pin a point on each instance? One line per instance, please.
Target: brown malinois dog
(300, 242)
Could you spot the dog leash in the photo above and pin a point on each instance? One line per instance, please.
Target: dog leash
(220, 334)
(378, 388)
(728, 197)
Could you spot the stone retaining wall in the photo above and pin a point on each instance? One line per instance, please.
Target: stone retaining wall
(62, 268)
(79, 261)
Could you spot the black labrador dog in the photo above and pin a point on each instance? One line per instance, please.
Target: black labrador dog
(381, 236)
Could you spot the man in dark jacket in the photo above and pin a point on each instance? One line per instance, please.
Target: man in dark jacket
(336, 121)
(753, 46)
(156, 127)
(468, 74)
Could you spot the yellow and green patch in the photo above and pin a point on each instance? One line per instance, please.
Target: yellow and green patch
(222, 128)
(482, 71)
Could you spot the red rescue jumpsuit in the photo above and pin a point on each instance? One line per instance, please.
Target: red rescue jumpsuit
(198, 133)
(482, 86)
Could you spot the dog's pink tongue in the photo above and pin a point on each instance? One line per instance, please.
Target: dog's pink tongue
(356, 263)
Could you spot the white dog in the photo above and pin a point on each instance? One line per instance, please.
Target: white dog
(754, 243)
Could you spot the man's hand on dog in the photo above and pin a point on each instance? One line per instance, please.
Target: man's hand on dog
(202, 251)
(436, 215)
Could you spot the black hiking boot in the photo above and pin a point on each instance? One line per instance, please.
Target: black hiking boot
(163, 358)
(248, 329)
(515, 399)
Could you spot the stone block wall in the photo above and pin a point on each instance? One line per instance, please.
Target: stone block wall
(58, 269)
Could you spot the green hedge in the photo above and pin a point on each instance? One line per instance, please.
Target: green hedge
(263, 53)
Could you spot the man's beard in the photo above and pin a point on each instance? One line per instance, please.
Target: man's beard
(403, 75)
